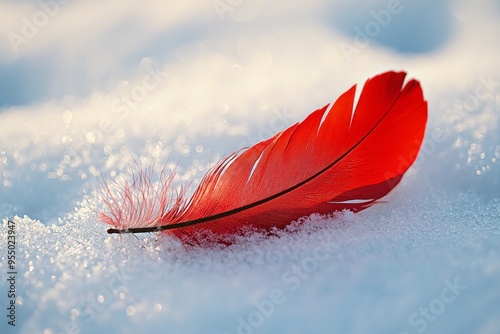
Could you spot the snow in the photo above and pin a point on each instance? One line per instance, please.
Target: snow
(93, 86)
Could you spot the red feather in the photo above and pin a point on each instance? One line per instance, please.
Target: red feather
(331, 161)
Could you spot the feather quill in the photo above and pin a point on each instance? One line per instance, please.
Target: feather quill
(340, 157)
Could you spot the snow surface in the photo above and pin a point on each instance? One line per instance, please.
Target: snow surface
(94, 85)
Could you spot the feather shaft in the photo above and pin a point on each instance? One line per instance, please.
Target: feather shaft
(337, 158)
